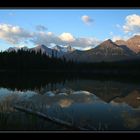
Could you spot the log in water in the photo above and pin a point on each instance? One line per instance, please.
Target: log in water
(45, 116)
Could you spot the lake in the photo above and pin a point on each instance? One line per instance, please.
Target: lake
(91, 103)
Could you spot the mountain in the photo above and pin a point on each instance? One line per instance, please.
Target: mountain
(132, 43)
(76, 55)
(11, 49)
(109, 48)
(58, 50)
(25, 48)
(106, 51)
(61, 51)
(132, 99)
(120, 42)
(65, 49)
(68, 49)
(44, 49)
(17, 48)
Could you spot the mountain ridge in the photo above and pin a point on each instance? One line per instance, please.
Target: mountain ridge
(132, 43)
(105, 51)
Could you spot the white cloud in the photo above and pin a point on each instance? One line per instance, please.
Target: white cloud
(16, 35)
(85, 42)
(67, 37)
(136, 34)
(86, 19)
(132, 24)
(13, 34)
(41, 28)
(111, 33)
(44, 38)
(49, 33)
(87, 48)
(117, 37)
(114, 38)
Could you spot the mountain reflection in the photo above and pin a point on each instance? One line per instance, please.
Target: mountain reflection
(131, 99)
(107, 90)
(89, 102)
(131, 120)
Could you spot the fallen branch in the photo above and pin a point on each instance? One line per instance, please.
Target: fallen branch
(44, 116)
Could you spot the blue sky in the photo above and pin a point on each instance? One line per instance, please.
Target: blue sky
(80, 28)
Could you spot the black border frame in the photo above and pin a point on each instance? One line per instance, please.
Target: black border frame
(69, 4)
(17, 4)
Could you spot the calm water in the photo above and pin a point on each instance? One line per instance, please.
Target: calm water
(93, 104)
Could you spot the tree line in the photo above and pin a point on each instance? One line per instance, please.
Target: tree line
(22, 60)
(29, 60)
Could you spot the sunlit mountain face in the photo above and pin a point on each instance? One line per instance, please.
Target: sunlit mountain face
(132, 43)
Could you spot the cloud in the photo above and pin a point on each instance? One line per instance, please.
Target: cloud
(132, 24)
(87, 48)
(13, 34)
(67, 37)
(86, 19)
(44, 38)
(41, 28)
(49, 33)
(111, 33)
(16, 35)
(64, 39)
(85, 42)
(118, 37)
(115, 38)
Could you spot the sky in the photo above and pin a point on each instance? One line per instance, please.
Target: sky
(80, 28)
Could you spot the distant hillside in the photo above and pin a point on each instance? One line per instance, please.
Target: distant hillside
(132, 43)
(106, 51)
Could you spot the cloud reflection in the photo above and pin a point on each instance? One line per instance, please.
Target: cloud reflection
(65, 102)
